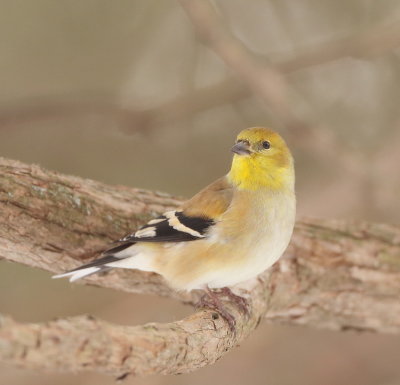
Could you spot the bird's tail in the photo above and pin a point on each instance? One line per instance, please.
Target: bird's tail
(124, 256)
(97, 266)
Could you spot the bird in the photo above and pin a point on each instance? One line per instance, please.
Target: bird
(231, 231)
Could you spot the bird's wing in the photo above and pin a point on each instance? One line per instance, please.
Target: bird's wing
(189, 223)
(172, 226)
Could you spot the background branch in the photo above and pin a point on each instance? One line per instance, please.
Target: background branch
(335, 274)
(265, 79)
(379, 40)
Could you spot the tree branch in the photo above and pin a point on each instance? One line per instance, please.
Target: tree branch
(85, 343)
(338, 275)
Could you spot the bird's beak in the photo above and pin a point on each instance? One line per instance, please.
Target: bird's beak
(241, 148)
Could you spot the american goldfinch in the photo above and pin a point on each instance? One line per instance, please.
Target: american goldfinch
(229, 232)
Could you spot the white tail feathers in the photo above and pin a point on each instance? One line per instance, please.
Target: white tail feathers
(78, 274)
(138, 261)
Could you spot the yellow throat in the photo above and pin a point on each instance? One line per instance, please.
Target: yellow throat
(270, 168)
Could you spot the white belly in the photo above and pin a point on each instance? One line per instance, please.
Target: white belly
(254, 252)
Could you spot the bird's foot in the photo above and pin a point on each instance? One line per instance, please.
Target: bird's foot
(211, 300)
(239, 301)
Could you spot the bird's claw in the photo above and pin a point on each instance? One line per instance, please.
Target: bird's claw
(211, 300)
(239, 301)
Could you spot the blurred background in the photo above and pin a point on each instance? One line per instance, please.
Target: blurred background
(148, 94)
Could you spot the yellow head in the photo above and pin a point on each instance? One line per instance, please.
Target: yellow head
(262, 160)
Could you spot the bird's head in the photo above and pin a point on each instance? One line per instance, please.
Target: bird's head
(262, 159)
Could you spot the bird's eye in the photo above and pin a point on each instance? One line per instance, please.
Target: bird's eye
(266, 144)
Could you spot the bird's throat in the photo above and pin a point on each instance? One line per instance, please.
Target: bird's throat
(251, 173)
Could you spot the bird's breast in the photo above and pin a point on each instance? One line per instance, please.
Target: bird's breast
(257, 231)
(246, 240)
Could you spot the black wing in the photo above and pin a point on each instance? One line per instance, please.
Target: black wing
(172, 226)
